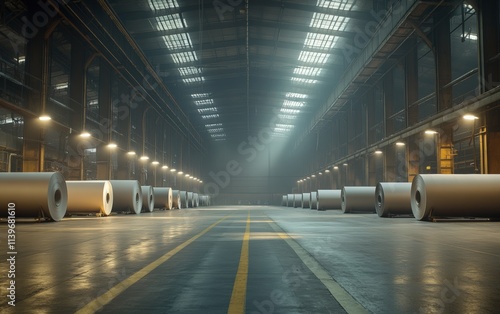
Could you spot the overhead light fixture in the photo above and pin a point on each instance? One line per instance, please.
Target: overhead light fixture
(336, 167)
(378, 152)
(131, 153)
(187, 175)
(112, 145)
(345, 165)
(44, 118)
(470, 117)
(85, 134)
(155, 163)
(430, 132)
(320, 173)
(327, 171)
(400, 144)
(164, 167)
(173, 170)
(144, 157)
(180, 172)
(313, 176)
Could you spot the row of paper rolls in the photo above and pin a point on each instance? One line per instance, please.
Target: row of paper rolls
(427, 196)
(46, 195)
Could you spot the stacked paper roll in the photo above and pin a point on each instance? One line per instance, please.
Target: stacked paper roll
(33, 194)
(297, 200)
(127, 196)
(190, 199)
(196, 200)
(306, 199)
(163, 197)
(455, 195)
(358, 199)
(176, 199)
(329, 199)
(90, 197)
(290, 200)
(184, 200)
(283, 200)
(393, 198)
(148, 198)
(314, 200)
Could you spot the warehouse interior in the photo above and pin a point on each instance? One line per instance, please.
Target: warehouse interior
(250, 102)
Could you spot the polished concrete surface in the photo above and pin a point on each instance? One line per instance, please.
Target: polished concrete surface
(299, 261)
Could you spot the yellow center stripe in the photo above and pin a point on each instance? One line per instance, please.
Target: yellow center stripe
(238, 297)
(112, 293)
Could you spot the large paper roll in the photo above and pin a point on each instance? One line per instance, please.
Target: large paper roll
(283, 200)
(196, 200)
(90, 197)
(33, 194)
(306, 199)
(358, 199)
(190, 199)
(297, 200)
(455, 195)
(329, 199)
(184, 200)
(163, 197)
(127, 196)
(148, 198)
(393, 198)
(176, 199)
(290, 200)
(314, 200)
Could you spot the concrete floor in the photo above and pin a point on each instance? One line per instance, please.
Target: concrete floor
(151, 263)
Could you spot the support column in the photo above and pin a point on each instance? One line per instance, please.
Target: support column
(103, 153)
(391, 163)
(442, 42)
(411, 73)
(37, 51)
(413, 151)
(446, 152)
(491, 155)
(489, 46)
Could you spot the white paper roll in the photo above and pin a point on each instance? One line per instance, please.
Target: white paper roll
(306, 199)
(190, 199)
(184, 202)
(283, 200)
(290, 200)
(393, 198)
(90, 197)
(34, 194)
(127, 196)
(196, 200)
(163, 197)
(314, 200)
(148, 198)
(176, 199)
(358, 199)
(455, 195)
(329, 199)
(297, 200)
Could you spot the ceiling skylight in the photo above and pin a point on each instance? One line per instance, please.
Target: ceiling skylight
(168, 22)
(296, 95)
(293, 104)
(216, 130)
(186, 71)
(289, 111)
(307, 71)
(319, 41)
(178, 41)
(202, 95)
(203, 102)
(334, 4)
(156, 5)
(210, 116)
(184, 57)
(304, 80)
(329, 21)
(313, 57)
(207, 110)
(190, 80)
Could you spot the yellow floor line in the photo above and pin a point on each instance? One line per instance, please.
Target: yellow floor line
(238, 297)
(340, 294)
(112, 293)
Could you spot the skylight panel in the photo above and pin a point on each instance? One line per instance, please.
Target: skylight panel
(320, 41)
(282, 116)
(307, 71)
(210, 116)
(213, 125)
(281, 130)
(293, 104)
(313, 57)
(197, 79)
(219, 139)
(186, 71)
(203, 102)
(168, 22)
(334, 4)
(289, 111)
(329, 21)
(201, 95)
(304, 80)
(178, 41)
(207, 110)
(296, 95)
(285, 126)
(162, 4)
(184, 57)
